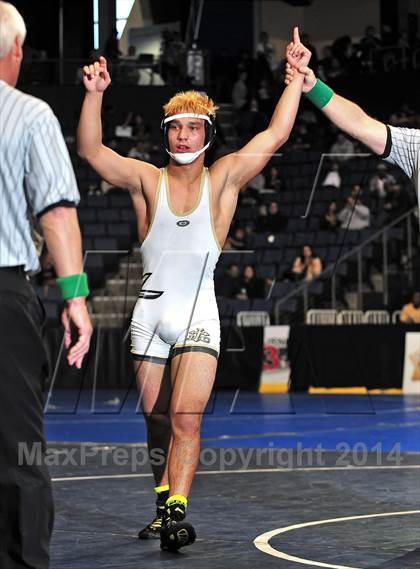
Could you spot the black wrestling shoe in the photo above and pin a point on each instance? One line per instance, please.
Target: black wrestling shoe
(152, 530)
(175, 532)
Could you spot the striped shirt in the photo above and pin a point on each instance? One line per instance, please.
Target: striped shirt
(36, 173)
(403, 149)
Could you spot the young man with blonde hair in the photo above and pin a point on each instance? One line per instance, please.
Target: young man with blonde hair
(184, 212)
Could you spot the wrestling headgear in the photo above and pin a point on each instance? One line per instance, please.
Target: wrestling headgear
(188, 157)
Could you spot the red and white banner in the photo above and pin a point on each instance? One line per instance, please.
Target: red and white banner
(276, 371)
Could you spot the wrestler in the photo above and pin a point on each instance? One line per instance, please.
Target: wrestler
(184, 212)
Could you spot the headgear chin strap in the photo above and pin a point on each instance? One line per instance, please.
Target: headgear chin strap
(188, 157)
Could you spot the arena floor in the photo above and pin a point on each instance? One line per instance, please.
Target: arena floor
(346, 496)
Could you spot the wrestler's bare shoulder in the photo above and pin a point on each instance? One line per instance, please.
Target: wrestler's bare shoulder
(219, 176)
(148, 176)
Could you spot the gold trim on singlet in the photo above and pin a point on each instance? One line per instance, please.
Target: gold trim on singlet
(155, 205)
(168, 195)
(211, 211)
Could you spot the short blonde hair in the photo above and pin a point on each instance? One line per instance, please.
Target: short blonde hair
(11, 25)
(190, 102)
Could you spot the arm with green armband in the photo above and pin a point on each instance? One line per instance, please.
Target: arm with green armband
(72, 286)
(345, 114)
(62, 234)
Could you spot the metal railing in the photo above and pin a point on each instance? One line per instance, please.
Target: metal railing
(332, 269)
(123, 71)
(389, 58)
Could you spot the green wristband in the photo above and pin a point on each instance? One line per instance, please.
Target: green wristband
(73, 286)
(320, 94)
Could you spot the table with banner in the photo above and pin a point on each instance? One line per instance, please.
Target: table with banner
(271, 359)
(370, 356)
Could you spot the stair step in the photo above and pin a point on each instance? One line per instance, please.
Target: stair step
(130, 270)
(113, 304)
(112, 320)
(121, 287)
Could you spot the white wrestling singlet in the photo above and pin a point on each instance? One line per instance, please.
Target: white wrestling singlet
(176, 311)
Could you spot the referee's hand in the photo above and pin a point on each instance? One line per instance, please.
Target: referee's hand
(308, 82)
(76, 316)
(96, 77)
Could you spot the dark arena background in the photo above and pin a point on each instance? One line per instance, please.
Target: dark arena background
(310, 440)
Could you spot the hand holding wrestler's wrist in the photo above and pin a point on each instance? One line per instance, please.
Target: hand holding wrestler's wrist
(309, 76)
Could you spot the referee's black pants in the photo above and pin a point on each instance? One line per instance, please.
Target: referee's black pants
(26, 506)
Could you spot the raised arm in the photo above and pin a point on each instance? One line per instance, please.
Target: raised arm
(115, 169)
(245, 164)
(345, 114)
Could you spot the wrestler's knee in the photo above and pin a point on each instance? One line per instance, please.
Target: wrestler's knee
(185, 424)
(158, 422)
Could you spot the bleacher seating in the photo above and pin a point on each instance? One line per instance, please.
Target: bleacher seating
(108, 224)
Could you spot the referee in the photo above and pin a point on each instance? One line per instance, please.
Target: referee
(36, 177)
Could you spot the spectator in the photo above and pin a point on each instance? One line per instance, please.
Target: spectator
(397, 201)
(139, 129)
(227, 284)
(329, 66)
(354, 215)
(172, 57)
(258, 182)
(378, 185)
(300, 139)
(265, 98)
(250, 285)
(240, 91)
(369, 42)
(272, 180)
(223, 73)
(406, 116)
(249, 197)
(129, 70)
(140, 151)
(333, 177)
(342, 145)
(251, 121)
(307, 265)
(245, 62)
(266, 60)
(336, 69)
(271, 219)
(356, 192)
(237, 240)
(329, 221)
(342, 49)
(410, 313)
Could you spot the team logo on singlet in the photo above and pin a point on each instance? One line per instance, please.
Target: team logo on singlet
(198, 335)
(148, 294)
(183, 223)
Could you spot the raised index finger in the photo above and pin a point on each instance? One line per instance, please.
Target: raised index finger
(296, 38)
(102, 61)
